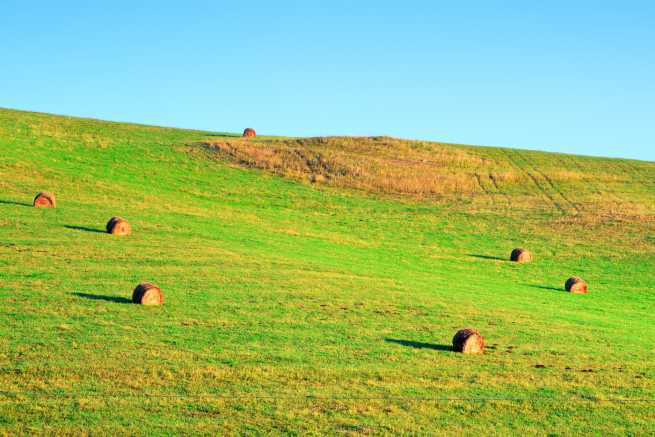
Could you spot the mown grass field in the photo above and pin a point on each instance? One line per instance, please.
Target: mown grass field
(304, 308)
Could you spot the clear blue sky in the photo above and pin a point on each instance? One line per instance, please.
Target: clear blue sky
(564, 76)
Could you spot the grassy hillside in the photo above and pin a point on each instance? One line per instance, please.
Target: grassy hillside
(324, 307)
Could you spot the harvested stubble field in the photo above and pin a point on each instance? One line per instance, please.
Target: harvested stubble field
(313, 286)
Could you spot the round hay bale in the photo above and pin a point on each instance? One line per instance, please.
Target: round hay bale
(468, 341)
(576, 285)
(148, 294)
(45, 199)
(249, 132)
(521, 256)
(118, 226)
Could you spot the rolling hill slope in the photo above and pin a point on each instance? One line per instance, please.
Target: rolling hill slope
(313, 286)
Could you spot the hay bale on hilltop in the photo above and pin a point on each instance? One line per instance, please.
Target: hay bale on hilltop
(576, 285)
(148, 294)
(468, 341)
(249, 132)
(521, 256)
(45, 199)
(118, 226)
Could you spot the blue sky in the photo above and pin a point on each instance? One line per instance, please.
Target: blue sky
(557, 76)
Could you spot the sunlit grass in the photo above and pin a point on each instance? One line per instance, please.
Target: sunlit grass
(325, 308)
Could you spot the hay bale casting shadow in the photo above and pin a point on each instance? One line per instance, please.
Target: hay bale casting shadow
(11, 202)
(148, 294)
(115, 299)
(118, 226)
(576, 285)
(490, 257)
(84, 228)
(521, 256)
(249, 132)
(45, 199)
(419, 345)
(468, 341)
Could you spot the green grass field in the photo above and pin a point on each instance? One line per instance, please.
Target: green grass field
(318, 309)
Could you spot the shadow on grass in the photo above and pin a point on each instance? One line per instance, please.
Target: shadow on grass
(85, 229)
(419, 345)
(11, 202)
(115, 299)
(545, 287)
(495, 258)
(226, 135)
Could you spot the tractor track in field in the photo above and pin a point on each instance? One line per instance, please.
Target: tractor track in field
(631, 174)
(484, 189)
(534, 179)
(636, 171)
(494, 192)
(639, 176)
(491, 193)
(494, 182)
(552, 185)
(591, 181)
(550, 182)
